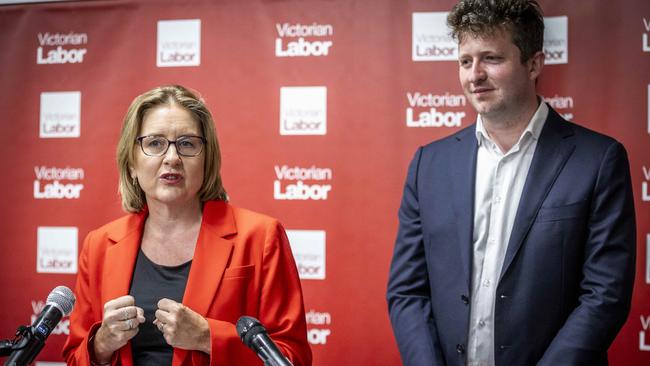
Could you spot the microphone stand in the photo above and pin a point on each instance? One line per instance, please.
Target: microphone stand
(7, 347)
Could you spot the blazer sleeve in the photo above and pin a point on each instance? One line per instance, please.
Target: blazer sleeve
(84, 320)
(281, 310)
(408, 295)
(607, 271)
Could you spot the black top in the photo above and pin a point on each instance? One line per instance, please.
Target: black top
(152, 282)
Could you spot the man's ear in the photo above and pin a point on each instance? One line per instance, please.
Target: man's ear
(535, 65)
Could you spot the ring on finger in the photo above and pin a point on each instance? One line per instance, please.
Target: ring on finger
(126, 314)
(130, 324)
(161, 326)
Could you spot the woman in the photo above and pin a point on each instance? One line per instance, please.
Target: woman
(166, 284)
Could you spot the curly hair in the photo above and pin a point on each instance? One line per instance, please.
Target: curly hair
(523, 19)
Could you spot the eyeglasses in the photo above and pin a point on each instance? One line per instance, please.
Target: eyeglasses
(158, 145)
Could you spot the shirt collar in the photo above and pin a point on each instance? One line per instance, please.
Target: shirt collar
(533, 129)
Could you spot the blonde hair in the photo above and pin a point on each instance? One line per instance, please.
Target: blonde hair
(133, 198)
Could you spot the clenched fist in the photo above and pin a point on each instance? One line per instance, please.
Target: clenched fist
(120, 323)
(182, 327)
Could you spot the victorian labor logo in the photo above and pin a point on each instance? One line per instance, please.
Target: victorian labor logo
(56, 249)
(302, 40)
(179, 43)
(556, 40)
(431, 38)
(58, 183)
(434, 110)
(60, 114)
(298, 183)
(308, 247)
(318, 326)
(61, 48)
(303, 110)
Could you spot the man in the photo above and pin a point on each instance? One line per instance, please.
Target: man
(516, 243)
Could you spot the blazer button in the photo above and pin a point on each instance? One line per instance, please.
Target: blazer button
(460, 348)
(465, 299)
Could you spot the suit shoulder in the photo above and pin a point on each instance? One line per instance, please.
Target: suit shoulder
(593, 138)
(446, 142)
(248, 220)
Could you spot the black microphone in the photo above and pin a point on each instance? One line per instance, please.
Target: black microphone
(254, 336)
(59, 303)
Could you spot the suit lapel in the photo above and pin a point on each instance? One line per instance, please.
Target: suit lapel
(211, 256)
(553, 149)
(120, 257)
(463, 172)
(120, 264)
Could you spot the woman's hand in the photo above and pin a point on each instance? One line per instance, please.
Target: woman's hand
(120, 323)
(182, 327)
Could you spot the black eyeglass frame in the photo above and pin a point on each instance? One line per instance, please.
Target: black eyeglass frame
(169, 143)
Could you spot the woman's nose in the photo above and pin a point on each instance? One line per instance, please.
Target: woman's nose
(172, 154)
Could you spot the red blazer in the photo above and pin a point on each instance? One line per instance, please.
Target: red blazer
(242, 265)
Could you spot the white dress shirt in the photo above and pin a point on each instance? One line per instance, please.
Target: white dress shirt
(500, 179)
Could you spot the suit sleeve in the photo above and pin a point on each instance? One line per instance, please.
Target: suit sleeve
(281, 311)
(608, 268)
(84, 320)
(408, 295)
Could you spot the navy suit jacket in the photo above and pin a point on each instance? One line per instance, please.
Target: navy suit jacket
(566, 282)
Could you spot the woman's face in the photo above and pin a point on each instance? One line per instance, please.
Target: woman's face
(169, 179)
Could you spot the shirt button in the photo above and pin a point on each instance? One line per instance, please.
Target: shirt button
(486, 283)
(497, 199)
(481, 323)
(465, 299)
(460, 348)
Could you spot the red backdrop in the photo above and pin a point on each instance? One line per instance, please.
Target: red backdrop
(70, 70)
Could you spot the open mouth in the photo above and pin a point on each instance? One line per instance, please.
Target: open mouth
(171, 178)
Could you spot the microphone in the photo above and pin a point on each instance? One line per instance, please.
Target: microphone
(59, 304)
(254, 336)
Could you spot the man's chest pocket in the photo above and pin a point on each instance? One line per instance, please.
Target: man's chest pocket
(571, 211)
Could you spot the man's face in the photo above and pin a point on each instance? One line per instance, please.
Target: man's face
(493, 78)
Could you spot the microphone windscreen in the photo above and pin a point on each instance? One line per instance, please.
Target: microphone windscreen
(63, 298)
(247, 326)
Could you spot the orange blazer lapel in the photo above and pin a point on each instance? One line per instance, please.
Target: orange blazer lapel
(119, 264)
(211, 256)
(120, 257)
